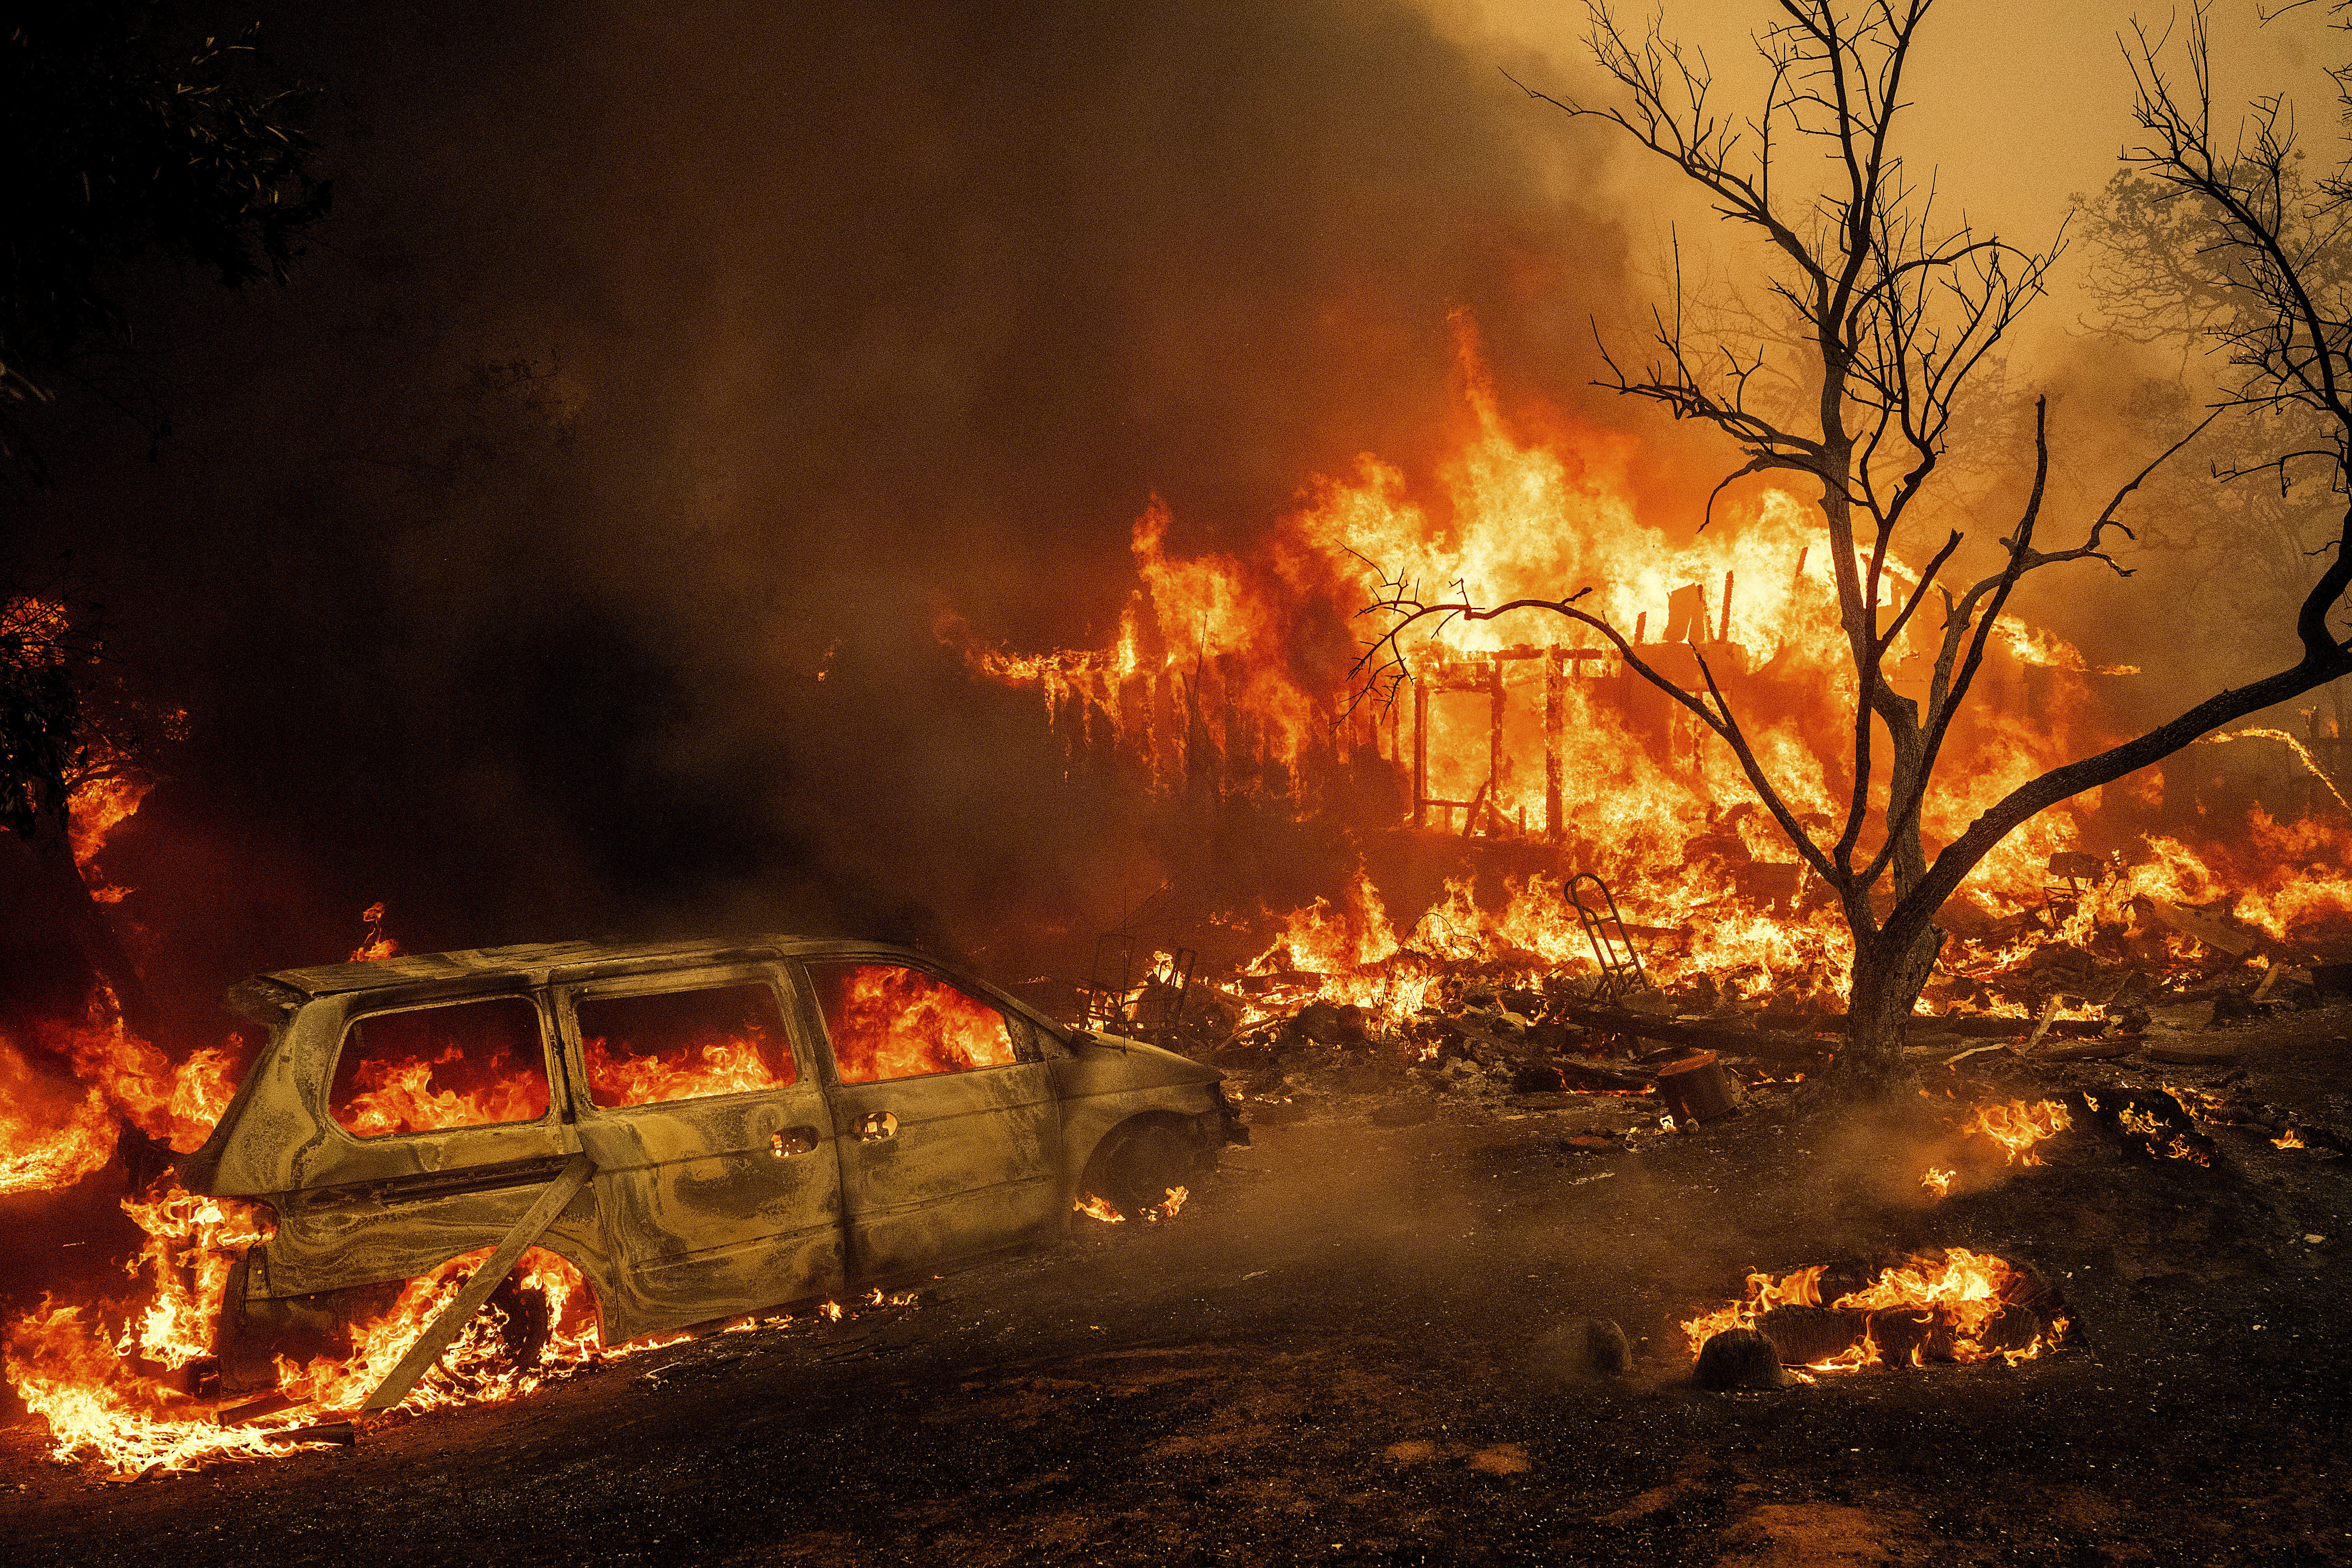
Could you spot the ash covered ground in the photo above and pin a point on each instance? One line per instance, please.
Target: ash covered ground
(1348, 1347)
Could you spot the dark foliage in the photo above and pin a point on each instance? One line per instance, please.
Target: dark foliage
(124, 139)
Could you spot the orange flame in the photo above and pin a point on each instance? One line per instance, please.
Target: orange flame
(2162, 1138)
(1765, 1291)
(375, 945)
(887, 1022)
(715, 1064)
(97, 806)
(107, 1379)
(49, 1136)
(2017, 1127)
(1964, 1292)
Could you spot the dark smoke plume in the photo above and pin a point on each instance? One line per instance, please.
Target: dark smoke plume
(560, 552)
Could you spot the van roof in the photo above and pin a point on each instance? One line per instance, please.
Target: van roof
(529, 958)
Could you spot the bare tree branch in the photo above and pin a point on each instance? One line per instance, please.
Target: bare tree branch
(1896, 316)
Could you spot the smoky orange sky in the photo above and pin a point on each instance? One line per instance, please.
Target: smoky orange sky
(2018, 105)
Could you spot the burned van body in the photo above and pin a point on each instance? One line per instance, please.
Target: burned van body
(731, 1126)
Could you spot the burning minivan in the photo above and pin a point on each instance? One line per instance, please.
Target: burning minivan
(704, 1130)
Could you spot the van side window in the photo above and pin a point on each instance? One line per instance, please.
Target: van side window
(887, 1021)
(677, 1045)
(470, 1064)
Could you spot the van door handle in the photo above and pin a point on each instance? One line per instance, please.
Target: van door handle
(791, 1140)
(874, 1126)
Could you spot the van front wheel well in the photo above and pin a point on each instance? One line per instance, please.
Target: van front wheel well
(1139, 1160)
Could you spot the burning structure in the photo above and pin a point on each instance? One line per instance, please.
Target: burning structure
(1808, 731)
(1501, 771)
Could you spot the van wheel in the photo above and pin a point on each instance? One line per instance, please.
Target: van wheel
(528, 1327)
(1137, 1163)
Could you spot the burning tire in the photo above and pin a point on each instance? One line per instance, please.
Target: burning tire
(1137, 1166)
(524, 1327)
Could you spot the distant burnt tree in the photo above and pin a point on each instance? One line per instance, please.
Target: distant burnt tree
(1889, 317)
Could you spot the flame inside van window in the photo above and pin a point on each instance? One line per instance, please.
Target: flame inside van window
(467, 1065)
(887, 1021)
(677, 1045)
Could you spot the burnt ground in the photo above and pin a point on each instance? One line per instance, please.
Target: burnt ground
(1339, 1352)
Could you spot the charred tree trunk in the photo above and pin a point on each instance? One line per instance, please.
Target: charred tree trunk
(1890, 966)
(1892, 961)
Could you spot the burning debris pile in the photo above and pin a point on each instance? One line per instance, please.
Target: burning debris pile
(1955, 1308)
(2108, 1015)
(1546, 997)
(2097, 946)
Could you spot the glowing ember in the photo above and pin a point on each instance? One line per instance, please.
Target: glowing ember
(2162, 1137)
(2017, 1127)
(1765, 1291)
(1102, 1209)
(2201, 1104)
(2290, 1139)
(1938, 1182)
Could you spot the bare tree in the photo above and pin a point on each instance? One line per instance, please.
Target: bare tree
(1896, 313)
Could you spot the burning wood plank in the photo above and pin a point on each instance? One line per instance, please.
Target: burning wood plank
(487, 1278)
(1740, 1041)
